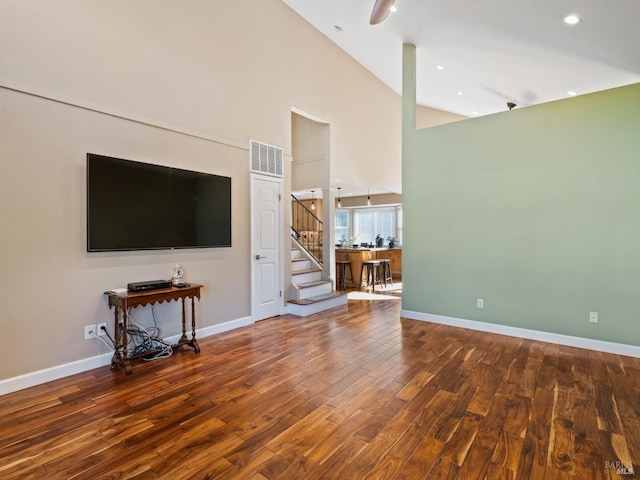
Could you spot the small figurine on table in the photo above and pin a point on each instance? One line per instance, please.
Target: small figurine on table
(177, 276)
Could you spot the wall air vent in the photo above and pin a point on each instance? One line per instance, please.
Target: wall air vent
(265, 158)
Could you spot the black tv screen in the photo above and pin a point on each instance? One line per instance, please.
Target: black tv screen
(140, 206)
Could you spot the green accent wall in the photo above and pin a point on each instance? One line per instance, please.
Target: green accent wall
(535, 210)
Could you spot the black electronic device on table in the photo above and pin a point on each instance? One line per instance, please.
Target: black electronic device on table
(148, 285)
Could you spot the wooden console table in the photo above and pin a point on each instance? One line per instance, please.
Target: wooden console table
(121, 302)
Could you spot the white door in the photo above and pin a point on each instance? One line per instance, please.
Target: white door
(266, 232)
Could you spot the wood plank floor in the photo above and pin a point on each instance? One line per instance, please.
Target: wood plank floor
(352, 393)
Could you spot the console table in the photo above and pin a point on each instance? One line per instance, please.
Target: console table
(121, 302)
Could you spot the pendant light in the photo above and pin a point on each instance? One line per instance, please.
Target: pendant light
(339, 200)
(313, 200)
(368, 198)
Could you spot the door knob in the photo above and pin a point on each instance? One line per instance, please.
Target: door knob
(258, 257)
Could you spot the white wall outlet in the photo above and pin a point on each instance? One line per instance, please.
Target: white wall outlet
(480, 303)
(100, 331)
(89, 332)
(593, 317)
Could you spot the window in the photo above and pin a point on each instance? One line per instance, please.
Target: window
(342, 225)
(371, 222)
(368, 222)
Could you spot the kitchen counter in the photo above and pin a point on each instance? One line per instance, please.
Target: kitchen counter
(361, 254)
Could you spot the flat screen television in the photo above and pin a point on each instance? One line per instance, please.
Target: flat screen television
(140, 206)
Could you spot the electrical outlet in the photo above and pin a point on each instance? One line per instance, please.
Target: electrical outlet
(593, 317)
(480, 303)
(100, 330)
(89, 332)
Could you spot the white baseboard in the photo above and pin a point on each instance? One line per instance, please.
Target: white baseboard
(214, 329)
(48, 374)
(60, 371)
(558, 338)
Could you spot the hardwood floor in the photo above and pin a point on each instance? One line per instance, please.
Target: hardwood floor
(351, 393)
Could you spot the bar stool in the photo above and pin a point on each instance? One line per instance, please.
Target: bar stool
(341, 273)
(385, 266)
(371, 268)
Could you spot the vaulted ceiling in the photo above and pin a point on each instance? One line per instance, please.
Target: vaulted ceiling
(474, 57)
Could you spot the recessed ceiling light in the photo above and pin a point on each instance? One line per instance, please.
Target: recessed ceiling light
(337, 28)
(460, 93)
(440, 67)
(572, 19)
(393, 9)
(571, 93)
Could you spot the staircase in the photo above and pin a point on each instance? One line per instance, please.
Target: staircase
(311, 291)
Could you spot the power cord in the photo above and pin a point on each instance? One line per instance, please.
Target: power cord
(111, 346)
(145, 342)
(113, 342)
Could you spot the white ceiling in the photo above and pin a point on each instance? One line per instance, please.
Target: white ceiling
(491, 51)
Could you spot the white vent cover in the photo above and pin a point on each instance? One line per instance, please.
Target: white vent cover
(265, 158)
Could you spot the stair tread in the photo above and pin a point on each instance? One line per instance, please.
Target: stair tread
(317, 298)
(309, 270)
(312, 284)
(300, 260)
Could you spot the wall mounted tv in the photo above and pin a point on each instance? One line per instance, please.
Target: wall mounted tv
(140, 206)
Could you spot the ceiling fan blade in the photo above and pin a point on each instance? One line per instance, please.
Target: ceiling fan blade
(380, 11)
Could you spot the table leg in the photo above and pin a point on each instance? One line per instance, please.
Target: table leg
(125, 342)
(116, 359)
(120, 356)
(183, 338)
(194, 342)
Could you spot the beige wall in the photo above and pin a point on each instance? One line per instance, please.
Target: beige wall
(231, 70)
(310, 145)
(54, 286)
(185, 84)
(430, 117)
